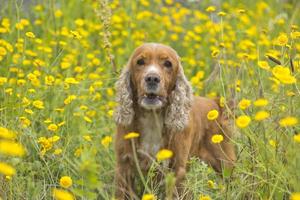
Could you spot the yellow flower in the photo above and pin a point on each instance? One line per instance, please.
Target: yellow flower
(87, 138)
(87, 119)
(261, 115)
(65, 181)
(244, 104)
(131, 135)
(297, 138)
(288, 121)
(282, 39)
(283, 74)
(222, 102)
(6, 134)
(57, 151)
(148, 197)
(295, 196)
(6, 169)
(30, 34)
(58, 13)
(211, 184)
(215, 53)
(204, 197)
(106, 141)
(273, 143)
(164, 154)
(264, 65)
(59, 194)
(38, 104)
(210, 9)
(75, 34)
(71, 80)
(11, 148)
(52, 127)
(217, 138)
(69, 99)
(221, 13)
(212, 115)
(78, 152)
(260, 102)
(243, 121)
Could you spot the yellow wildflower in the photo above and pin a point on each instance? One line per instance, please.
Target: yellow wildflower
(244, 104)
(59, 194)
(261, 115)
(243, 121)
(273, 143)
(260, 102)
(148, 197)
(204, 197)
(87, 138)
(295, 196)
(164, 154)
(38, 104)
(212, 115)
(52, 127)
(6, 169)
(282, 39)
(6, 134)
(30, 34)
(11, 148)
(87, 119)
(283, 74)
(288, 121)
(65, 181)
(131, 135)
(264, 65)
(69, 99)
(297, 138)
(106, 141)
(58, 13)
(217, 138)
(215, 53)
(71, 80)
(57, 151)
(210, 9)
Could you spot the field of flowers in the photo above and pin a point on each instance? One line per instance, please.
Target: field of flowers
(59, 61)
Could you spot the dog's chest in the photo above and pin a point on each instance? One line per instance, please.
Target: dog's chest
(151, 127)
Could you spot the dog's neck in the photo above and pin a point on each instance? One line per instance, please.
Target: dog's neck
(150, 126)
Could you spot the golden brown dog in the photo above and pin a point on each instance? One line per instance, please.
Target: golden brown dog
(156, 101)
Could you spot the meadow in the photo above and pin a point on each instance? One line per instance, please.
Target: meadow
(59, 61)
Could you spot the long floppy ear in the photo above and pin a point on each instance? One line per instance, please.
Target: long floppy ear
(180, 100)
(124, 112)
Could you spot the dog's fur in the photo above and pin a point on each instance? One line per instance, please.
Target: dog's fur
(174, 119)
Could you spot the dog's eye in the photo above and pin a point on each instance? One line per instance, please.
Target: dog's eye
(140, 62)
(167, 64)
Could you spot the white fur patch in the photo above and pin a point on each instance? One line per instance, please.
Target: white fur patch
(151, 133)
(152, 69)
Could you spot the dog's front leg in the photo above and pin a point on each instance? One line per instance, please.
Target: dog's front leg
(124, 172)
(180, 145)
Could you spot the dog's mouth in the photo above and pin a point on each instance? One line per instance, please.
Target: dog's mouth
(152, 101)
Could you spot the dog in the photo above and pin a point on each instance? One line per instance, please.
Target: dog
(155, 100)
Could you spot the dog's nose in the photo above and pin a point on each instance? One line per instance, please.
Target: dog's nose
(152, 79)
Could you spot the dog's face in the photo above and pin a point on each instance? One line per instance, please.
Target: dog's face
(154, 79)
(154, 69)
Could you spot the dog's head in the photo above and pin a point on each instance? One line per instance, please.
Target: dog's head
(154, 78)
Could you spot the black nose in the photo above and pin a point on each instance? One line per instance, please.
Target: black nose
(152, 79)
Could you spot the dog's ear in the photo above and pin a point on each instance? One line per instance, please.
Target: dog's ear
(180, 101)
(124, 112)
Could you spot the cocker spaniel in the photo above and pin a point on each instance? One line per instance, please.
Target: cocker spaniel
(156, 100)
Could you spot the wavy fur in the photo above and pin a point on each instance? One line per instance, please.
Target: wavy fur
(124, 112)
(180, 100)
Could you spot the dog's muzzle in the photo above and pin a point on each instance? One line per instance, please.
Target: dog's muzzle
(151, 100)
